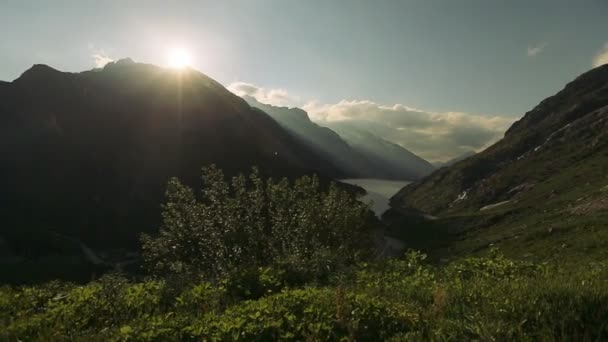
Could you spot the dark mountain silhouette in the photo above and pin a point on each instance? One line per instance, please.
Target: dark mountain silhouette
(88, 154)
(360, 153)
(547, 175)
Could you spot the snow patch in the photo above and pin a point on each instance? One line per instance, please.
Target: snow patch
(462, 196)
(537, 148)
(491, 206)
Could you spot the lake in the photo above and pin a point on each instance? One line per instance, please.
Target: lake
(379, 191)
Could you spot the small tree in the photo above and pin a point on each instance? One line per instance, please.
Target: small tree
(251, 222)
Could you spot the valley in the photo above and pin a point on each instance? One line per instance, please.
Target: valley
(270, 170)
(378, 191)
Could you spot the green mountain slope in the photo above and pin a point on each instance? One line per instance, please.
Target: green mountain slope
(541, 191)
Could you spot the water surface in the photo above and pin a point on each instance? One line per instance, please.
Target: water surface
(379, 191)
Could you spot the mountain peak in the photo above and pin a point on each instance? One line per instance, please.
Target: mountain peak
(38, 71)
(125, 61)
(120, 62)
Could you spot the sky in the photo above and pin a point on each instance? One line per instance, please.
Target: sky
(469, 62)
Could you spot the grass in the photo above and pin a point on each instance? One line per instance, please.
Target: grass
(489, 298)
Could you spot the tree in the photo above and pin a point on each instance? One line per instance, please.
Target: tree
(250, 222)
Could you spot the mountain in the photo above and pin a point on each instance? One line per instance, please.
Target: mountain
(322, 139)
(88, 154)
(454, 160)
(541, 191)
(395, 160)
(358, 152)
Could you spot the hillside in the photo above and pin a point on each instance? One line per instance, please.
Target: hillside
(88, 154)
(541, 191)
(360, 153)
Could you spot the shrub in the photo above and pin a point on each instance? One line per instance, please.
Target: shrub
(308, 314)
(250, 223)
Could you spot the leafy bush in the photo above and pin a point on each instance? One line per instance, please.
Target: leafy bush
(250, 223)
(307, 314)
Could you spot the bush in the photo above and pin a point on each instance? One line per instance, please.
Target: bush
(307, 314)
(251, 223)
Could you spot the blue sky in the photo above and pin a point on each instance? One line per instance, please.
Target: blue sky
(488, 58)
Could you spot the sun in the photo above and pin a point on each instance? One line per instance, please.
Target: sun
(179, 59)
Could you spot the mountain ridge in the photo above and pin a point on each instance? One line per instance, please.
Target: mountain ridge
(361, 153)
(101, 145)
(322, 139)
(384, 153)
(529, 184)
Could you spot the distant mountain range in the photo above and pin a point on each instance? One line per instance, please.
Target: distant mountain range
(89, 154)
(543, 186)
(398, 162)
(358, 152)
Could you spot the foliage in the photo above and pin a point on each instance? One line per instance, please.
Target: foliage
(250, 223)
(261, 260)
(488, 298)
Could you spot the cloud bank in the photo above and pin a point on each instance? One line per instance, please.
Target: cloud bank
(435, 136)
(602, 57)
(275, 97)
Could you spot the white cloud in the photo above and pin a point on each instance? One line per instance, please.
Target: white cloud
(101, 59)
(435, 136)
(536, 50)
(275, 97)
(602, 57)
